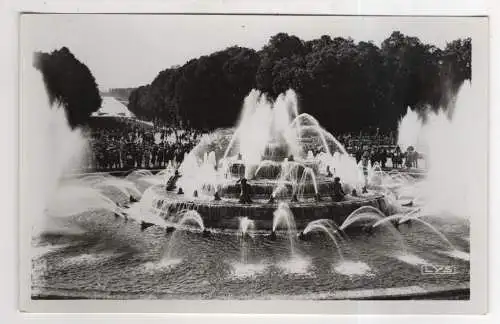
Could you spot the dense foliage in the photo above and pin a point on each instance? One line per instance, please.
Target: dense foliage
(348, 86)
(206, 92)
(69, 83)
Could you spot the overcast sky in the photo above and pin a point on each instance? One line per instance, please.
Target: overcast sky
(130, 50)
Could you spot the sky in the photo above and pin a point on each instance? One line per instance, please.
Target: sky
(130, 50)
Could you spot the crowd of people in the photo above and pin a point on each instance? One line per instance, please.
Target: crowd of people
(124, 148)
(382, 155)
(368, 139)
(380, 148)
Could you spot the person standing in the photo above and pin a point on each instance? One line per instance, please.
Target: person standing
(161, 153)
(397, 158)
(383, 157)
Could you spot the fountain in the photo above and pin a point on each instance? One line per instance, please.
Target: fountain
(246, 225)
(283, 217)
(188, 216)
(362, 214)
(269, 157)
(308, 178)
(442, 140)
(327, 227)
(274, 173)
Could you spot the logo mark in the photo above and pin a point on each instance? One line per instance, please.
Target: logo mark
(432, 269)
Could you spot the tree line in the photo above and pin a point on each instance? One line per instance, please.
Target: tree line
(69, 83)
(348, 86)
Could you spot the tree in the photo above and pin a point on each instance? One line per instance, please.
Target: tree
(456, 58)
(348, 86)
(206, 92)
(69, 83)
(282, 50)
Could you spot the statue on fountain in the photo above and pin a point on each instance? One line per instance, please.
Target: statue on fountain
(145, 225)
(171, 182)
(329, 173)
(338, 192)
(245, 191)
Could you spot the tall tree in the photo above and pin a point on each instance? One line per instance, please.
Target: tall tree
(348, 86)
(69, 83)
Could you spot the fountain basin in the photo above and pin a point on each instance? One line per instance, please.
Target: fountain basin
(225, 213)
(271, 169)
(264, 188)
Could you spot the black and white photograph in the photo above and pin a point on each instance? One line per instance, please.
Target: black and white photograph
(178, 157)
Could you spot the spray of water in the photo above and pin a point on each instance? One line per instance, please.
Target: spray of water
(454, 145)
(365, 213)
(246, 225)
(326, 226)
(49, 140)
(187, 217)
(283, 216)
(308, 178)
(75, 200)
(410, 130)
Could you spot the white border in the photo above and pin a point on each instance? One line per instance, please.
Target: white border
(359, 7)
